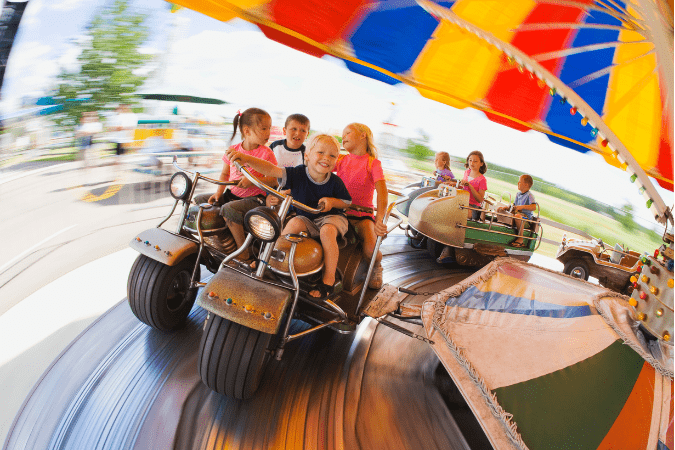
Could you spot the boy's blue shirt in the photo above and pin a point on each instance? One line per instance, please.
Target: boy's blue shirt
(524, 198)
(305, 190)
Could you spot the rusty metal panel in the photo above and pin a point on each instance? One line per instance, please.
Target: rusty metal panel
(245, 300)
(163, 246)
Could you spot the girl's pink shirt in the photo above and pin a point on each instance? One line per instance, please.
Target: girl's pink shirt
(261, 152)
(360, 182)
(479, 183)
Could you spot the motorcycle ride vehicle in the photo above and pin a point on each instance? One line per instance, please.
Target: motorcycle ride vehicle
(250, 310)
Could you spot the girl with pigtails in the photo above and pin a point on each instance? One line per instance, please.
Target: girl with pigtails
(254, 126)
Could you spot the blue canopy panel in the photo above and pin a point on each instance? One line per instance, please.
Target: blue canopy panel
(593, 92)
(392, 37)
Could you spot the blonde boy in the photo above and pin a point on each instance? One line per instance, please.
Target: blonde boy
(313, 184)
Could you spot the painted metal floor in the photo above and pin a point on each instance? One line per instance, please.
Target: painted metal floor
(123, 385)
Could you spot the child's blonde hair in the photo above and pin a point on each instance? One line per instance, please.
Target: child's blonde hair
(322, 137)
(370, 141)
(445, 156)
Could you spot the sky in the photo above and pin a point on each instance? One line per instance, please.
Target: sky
(234, 62)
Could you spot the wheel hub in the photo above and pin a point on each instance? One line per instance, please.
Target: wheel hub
(178, 291)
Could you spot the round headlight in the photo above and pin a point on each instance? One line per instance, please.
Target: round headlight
(263, 223)
(179, 186)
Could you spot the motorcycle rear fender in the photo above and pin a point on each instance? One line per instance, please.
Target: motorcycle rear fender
(247, 301)
(163, 246)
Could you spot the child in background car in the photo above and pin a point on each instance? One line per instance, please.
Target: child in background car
(523, 206)
(443, 173)
(474, 182)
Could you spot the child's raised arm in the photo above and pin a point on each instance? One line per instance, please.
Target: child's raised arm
(262, 166)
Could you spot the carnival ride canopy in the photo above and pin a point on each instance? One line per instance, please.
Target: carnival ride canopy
(592, 75)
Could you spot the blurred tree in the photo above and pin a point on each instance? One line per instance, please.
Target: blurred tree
(418, 148)
(626, 219)
(107, 62)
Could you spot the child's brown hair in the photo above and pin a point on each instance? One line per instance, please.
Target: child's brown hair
(300, 118)
(250, 118)
(483, 167)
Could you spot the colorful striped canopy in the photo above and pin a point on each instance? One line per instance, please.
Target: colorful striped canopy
(547, 361)
(592, 75)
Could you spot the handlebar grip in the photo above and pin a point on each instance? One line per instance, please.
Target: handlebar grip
(321, 206)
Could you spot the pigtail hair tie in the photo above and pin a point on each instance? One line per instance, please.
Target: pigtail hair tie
(239, 112)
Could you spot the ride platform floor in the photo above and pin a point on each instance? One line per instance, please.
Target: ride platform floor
(123, 385)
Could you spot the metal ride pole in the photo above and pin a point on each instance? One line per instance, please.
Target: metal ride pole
(291, 268)
(374, 257)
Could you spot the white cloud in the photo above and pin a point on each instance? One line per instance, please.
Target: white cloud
(30, 14)
(66, 5)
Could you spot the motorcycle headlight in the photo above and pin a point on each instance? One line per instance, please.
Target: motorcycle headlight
(263, 223)
(180, 186)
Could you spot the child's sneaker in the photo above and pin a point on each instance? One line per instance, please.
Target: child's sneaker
(446, 256)
(376, 277)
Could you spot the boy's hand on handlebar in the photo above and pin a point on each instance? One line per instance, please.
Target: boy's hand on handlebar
(325, 204)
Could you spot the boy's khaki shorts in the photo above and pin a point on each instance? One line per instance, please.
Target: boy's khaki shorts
(314, 226)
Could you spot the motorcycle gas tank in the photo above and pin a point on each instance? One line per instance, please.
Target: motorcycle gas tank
(308, 257)
(211, 221)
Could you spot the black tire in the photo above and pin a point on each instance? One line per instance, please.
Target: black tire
(232, 358)
(577, 268)
(159, 295)
(434, 248)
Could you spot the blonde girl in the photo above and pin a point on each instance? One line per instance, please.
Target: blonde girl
(362, 173)
(443, 173)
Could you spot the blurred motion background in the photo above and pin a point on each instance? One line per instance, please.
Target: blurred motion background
(99, 95)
